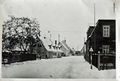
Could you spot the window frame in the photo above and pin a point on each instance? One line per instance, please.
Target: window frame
(105, 49)
(106, 30)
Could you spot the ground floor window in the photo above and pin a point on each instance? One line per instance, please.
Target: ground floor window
(105, 49)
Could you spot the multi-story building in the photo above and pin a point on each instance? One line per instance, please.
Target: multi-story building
(101, 38)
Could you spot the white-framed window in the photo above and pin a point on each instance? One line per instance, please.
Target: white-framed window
(106, 30)
(105, 49)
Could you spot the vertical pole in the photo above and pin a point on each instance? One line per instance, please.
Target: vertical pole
(58, 45)
(98, 61)
(91, 59)
(94, 13)
(84, 46)
(93, 34)
(114, 1)
(94, 31)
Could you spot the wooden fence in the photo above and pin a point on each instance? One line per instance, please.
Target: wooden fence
(102, 61)
(8, 58)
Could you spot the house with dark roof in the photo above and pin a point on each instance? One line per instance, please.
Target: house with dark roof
(101, 39)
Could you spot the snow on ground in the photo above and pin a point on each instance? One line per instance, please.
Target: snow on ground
(65, 67)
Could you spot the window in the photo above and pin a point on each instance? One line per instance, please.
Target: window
(54, 47)
(50, 46)
(106, 31)
(105, 49)
(59, 47)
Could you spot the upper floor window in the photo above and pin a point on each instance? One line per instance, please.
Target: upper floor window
(106, 31)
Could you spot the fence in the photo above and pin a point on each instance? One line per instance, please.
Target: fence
(8, 58)
(102, 61)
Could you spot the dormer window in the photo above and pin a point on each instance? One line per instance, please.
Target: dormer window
(59, 47)
(44, 37)
(54, 47)
(50, 46)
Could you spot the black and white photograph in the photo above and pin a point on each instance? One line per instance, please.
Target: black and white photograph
(58, 39)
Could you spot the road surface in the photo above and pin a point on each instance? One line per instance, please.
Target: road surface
(73, 67)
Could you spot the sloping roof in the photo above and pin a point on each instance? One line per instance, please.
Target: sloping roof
(65, 44)
(46, 42)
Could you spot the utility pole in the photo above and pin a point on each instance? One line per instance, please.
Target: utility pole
(84, 46)
(94, 14)
(114, 1)
(93, 50)
(94, 26)
(95, 41)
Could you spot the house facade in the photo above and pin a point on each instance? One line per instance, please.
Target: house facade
(101, 39)
(65, 48)
(46, 48)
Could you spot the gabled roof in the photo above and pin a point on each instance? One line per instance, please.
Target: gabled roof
(46, 42)
(65, 45)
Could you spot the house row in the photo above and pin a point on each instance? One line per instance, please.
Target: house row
(47, 48)
(101, 40)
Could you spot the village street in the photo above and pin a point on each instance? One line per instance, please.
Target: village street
(65, 67)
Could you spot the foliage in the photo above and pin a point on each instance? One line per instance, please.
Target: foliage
(21, 32)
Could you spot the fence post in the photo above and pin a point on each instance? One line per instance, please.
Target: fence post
(91, 51)
(98, 61)
(91, 59)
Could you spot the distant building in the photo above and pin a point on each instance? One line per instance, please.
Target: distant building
(38, 48)
(83, 50)
(65, 48)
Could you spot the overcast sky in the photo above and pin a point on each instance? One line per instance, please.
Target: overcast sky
(69, 18)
